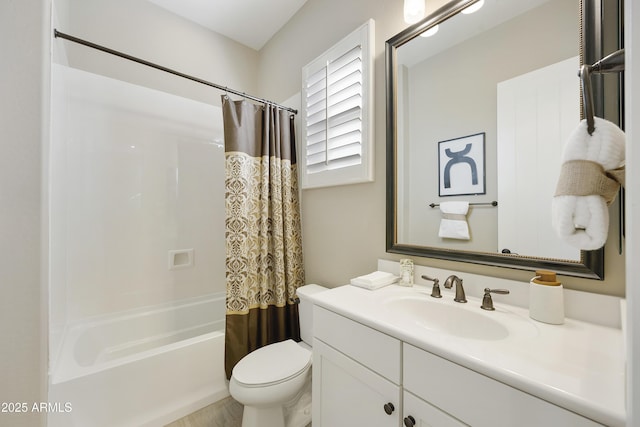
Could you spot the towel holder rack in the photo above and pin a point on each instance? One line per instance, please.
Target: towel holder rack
(611, 63)
(493, 203)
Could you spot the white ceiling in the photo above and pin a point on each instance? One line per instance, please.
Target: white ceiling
(250, 22)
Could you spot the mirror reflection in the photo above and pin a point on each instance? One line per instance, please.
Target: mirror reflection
(507, 71)
(479, 112)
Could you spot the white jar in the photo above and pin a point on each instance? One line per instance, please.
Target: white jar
(546, 298)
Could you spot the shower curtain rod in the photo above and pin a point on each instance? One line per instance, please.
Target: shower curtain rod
(62, 35)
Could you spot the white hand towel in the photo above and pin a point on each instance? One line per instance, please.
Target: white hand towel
(582, 220)
(453, 224)
(375, 280)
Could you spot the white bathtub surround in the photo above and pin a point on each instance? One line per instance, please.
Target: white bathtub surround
(153, 366)
(574, 371)
(137, 198)
(146, 393)
(137, 253)
(105, 342)
(584, 306)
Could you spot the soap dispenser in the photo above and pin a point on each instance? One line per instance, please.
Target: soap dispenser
(546, 299)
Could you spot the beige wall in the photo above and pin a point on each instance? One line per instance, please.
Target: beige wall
(142, 29)
(344, 227)
(23, 123)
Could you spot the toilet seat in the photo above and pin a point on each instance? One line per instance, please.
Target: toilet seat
(285, 360)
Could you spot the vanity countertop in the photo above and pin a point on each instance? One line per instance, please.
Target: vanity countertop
(578, 366)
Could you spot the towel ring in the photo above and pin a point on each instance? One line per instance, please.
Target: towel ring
(612, 63)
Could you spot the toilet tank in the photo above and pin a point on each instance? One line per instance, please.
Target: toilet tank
(305, 309)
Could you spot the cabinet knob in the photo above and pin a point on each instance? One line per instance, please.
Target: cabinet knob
(409, 421)
(389, 408)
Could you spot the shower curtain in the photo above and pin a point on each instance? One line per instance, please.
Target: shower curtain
(263, 233)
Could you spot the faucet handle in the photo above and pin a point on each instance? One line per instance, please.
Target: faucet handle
(435, 291)
(487, 301)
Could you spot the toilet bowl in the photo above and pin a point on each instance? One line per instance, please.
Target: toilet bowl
(274, 376)
(264, 392)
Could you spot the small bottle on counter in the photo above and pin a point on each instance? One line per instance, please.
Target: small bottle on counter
(406, 272)
(546, 299)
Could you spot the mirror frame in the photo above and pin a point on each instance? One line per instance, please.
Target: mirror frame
(591, 263)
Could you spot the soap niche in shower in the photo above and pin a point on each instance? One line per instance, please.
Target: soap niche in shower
(180, 258)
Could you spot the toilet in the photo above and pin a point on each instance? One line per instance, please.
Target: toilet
(269, 395)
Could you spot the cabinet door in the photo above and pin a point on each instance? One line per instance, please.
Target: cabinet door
(347, 394)
(419, 413)
(477, 399)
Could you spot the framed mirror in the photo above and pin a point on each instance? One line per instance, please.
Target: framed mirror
(477, 115)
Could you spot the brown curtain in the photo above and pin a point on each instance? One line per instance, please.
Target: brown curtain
(263, 234)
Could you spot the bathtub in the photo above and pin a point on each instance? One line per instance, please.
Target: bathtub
(145, 367)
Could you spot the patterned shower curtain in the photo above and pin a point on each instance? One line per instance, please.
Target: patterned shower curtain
(263, 233)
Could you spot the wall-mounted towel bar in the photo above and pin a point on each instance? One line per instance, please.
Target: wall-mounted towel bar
(493, 203)
(612, 63)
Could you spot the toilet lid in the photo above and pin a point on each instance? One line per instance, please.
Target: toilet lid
(273, 363)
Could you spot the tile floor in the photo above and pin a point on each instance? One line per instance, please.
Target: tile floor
(225, 413)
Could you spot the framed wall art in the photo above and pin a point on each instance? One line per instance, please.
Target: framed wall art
(461, 166)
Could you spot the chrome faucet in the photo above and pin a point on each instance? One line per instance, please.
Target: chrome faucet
(451, 280)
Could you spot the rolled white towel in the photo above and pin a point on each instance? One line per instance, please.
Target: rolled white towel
(582, 220)
(453, 224)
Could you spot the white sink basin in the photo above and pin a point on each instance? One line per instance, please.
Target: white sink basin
(452, 318)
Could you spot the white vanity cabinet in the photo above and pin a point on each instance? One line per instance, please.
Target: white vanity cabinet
(356, 374)
(441, 363)
(475, 399)
(364, 377)
(418, 413)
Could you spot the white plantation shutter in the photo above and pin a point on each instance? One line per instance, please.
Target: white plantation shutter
(337, 133)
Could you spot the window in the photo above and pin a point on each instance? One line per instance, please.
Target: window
(337, 104)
